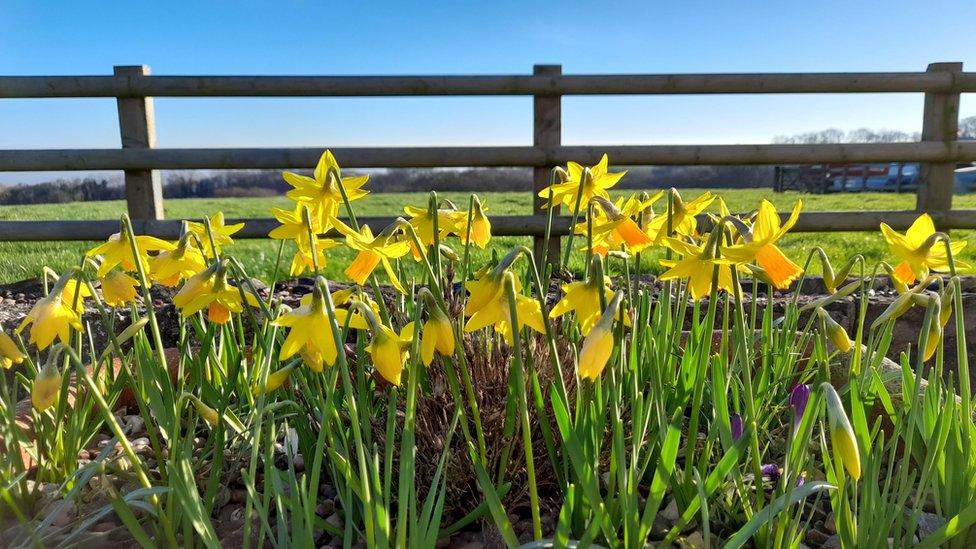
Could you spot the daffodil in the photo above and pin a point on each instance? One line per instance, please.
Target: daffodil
(118, 288)
(696, 266)
(487, 285)
(438, 332)
(74, 295)
(117, 250)
(614, 229)
(583, 298)
(423, 224)
(211, 290)
(10, 353)
(681, 218)
(275, 381)
(373, 251)
(598, 179)
(920, 250)
(321, 192)
(835, 332)
(51, 317)
(598, 344)
(303, 261)
(221, 233)
(480, 229)
(310, 332)
(171, 266)
(387, 350)
(496, 312)
(206, 412)
(46, 388)
(760, 245)
(841, 433)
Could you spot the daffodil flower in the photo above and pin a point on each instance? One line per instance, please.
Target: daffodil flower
(496, 312)
(488, 284)
(583, 298)
(373, 251)
(387, 349)
(118, 288)
(46, 388)
(74, 295)
(303, 261)
(171, 266)
(275, 381)
(682, 217)
(600, 179)
(598, 345)
(211, 290)
(221, 233)
(760, 245)
(423, 224)
(438, 332)
(920, 250)
(118, 251)
(310, 332)
(321, 193)
(52, 317)
(835, 332)
(208, 414)
(10, 353)
(480, 229)
(614, 229)
(696, 266)
(841, 433)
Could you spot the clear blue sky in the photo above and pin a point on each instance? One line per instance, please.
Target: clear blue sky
(286, 37)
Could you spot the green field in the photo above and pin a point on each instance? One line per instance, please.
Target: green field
(22, 260)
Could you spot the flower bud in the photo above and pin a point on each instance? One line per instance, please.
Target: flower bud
(47, 387)
(841, 433)
(206, 412)
(598, 344)
(736, 426)
(835, 332)
(799, 397)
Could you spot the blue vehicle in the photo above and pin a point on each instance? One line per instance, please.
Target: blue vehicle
(894, 176)
(966, 179)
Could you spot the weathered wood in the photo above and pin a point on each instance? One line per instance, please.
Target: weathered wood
(546, 132)
(582, 84)
(137, 127)
(940, 122)
(507, 225)
(426, 157)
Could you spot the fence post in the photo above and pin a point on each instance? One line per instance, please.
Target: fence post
(546, 132)
(137, 128)
(940, 122)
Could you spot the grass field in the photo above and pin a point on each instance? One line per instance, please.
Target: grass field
(22, 260)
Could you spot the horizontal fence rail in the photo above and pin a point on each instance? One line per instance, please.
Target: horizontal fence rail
(134, 88)
(381, 86)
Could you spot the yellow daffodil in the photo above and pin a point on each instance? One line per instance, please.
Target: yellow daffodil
(438, 332)
(598, 344)
(211, 290)
(74, 295)
(920, 250)
(614, 229)
(310, 332)
(583, 298)
(682, 217)
(275, 381)
(302, 260)
(373, 251)
(46, 388)
(760, 245)
(51, 317)
(349, 296)
(598, 180)
(835, 332)
(841, 433)
(118, 251)
(206, 412)
(423, 223)
(696, 266)
(293, 225)
(170, 267)
(480, 228)
(118, 288)
(10, 353)
(321, 193)
(387, 349)
(221, 233)
(496, 312)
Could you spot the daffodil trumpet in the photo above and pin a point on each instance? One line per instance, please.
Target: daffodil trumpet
(598, 344)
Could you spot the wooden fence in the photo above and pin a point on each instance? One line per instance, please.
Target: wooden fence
(134, 88)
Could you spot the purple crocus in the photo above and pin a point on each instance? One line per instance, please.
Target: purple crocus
(771, 471)
(736, 424)
(798, 400)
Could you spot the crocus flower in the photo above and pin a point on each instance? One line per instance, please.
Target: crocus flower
(760, 245)
(373, 251)
(118, 288)
(596, 183)
(51, 317)
(841, 433)
(920, 251)
(799, 397)
(310, 332)
(598, 345)
(321, 193)
(771, 471)
(10, 354)
(737, 426)
(221, 233)
(46, 387)
(118, 251)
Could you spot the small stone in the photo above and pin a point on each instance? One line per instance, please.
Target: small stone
(829, 525)
(84, 454)
(64, 512)
(816, 538)
(238, 495)
(335, 521)
(103, 527)
(140, 445)
(833, 542)
(328, 491)
(472, 545)
(660, 528)
(134, 425)
(325, 508)
(928, 523)
(695, 540)
(670, 513)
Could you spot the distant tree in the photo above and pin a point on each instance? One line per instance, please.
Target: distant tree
(967, 128)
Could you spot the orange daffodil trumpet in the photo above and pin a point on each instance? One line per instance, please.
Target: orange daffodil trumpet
(614, 229)
(921, 250)
(598, 344)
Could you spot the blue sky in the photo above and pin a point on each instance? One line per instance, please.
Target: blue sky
(287, 37)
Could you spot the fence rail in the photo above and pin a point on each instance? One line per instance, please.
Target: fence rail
(133, 87)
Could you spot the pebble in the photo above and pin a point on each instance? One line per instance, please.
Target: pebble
(816, 538)
(335, 520)
(103, 527)
(64, 512)
(134, 425)
(829, 525)
(140, 445)
(325, 508)
(328, 491)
